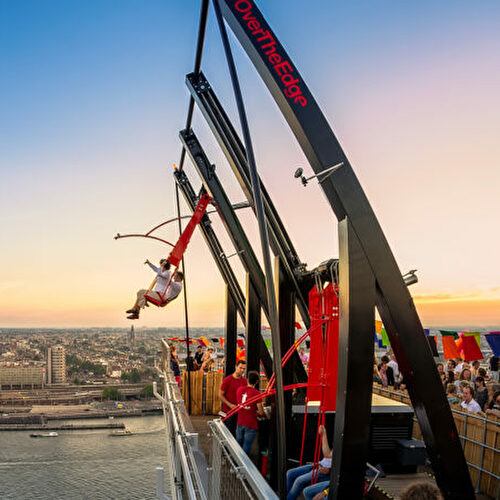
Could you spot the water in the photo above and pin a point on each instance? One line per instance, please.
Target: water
(84, 464)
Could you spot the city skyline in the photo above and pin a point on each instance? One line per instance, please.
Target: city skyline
(93, 99)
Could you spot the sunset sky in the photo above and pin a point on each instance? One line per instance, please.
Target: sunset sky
(92, 97)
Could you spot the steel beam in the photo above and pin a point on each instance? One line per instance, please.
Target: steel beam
(285, 296)
(253, 326)
(355, 368)
(347, 198)
(221, 261)
(230, 220)
(235, 153)
(231, 332)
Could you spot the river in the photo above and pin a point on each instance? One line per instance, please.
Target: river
(84, 464)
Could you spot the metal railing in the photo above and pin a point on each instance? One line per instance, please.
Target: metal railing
(183, 473)
(231, 474)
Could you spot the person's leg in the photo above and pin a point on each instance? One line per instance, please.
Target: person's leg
(298, 480)
(230, 423)
(249, 437)
(311, 491)
(240, 435)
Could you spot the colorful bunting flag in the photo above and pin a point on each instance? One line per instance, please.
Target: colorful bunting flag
(385, 338)
(432, 340)
(450, 350)
(449, 333)
(468, 347)
(476, 335)
(493, 339)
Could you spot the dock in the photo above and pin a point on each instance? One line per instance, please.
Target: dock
(61, 427)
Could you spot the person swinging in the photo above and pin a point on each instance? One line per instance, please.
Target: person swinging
(166, 287)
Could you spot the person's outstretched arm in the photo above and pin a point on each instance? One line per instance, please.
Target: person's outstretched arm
(325, 448)
(157, 270)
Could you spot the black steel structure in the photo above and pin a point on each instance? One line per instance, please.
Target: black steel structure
(369, 274)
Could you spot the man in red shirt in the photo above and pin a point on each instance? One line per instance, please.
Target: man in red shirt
(227, 392)
(246, 429)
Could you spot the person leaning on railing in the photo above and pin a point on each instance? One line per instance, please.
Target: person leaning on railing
(227, 393)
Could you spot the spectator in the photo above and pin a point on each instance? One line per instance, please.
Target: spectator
(174, 364)
(474, 370)
(459, 366)
(442, 374)
(421, 491)
(481, 392)
(386, 372)
(198, 357)
(298, 480)
(451, 394)
(494, 405)
(494, 368)
(450, 378)
(304, 357)
(465, 376)
(451, 365)
(397, 377)
(208, 360)
(376, 374)
(469, 403)
(247, 424)
(482, 373)
(228, 390)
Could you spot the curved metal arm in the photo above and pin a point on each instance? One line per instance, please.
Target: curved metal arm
(120, 236)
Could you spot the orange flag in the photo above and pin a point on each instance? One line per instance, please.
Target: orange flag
(450, 350)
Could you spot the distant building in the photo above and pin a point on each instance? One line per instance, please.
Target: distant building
(19, 377)
(131, 336)
(56, 365)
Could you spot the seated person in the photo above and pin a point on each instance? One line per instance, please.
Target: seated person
(469, 403)
(166, 289)
(298, 480)
(451, 394)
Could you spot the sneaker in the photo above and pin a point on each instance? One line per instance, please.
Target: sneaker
(133, 316)
(131, 311)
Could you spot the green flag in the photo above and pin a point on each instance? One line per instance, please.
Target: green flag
(385, 338)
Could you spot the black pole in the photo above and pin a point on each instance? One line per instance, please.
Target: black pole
(186, 314)
(264, 240)
(197, 65)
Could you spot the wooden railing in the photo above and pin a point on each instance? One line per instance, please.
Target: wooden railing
(204, 392)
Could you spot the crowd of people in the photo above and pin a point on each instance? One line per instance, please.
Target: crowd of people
(469, 385)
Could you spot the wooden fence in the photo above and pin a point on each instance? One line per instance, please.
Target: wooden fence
(204, 392)
(480, 440)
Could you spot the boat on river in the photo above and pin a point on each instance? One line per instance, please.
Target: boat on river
(121, 433)
(44, 434)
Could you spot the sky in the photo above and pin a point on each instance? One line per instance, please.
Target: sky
(92, 98)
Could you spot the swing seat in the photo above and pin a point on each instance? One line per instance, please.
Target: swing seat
(155, 301)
